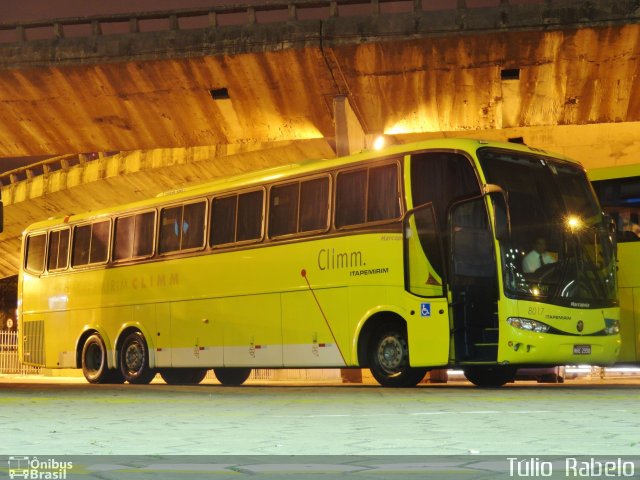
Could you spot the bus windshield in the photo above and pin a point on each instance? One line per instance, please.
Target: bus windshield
(560, 250)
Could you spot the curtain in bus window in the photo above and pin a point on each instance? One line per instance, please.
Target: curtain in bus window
(383, 197)
(35, 252)
(283, 210)
(123, 242)
(52, 257)
(170, 218)
(63, 248)
(351, 191)
(223, 220)
(439, 178)
(144, 234)
(99, 242)
(81, 244)
(250, 216)
(58, 250)
(193, 225)
(314, 204)
(472, 240)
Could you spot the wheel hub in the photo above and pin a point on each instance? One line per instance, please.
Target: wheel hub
(391, 354)
(134, 358)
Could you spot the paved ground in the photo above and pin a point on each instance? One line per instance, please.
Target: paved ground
(70, 417)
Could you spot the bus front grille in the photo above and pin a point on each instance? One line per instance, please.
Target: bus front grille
(33, 343)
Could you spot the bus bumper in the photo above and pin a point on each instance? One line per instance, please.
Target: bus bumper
(531, 348)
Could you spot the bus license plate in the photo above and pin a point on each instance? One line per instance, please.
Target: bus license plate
(582, 349)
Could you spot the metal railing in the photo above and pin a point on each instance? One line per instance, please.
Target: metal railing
(9, 361)
(215, 16)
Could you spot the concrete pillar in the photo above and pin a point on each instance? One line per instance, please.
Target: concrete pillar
(350, 136)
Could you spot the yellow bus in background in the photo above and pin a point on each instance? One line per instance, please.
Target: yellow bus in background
(402, 260)
(618, 189)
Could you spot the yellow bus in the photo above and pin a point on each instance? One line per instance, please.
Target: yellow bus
(618, 189)
(400, 261)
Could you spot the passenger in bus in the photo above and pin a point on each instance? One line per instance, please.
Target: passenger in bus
(630, 231)
(538, 257)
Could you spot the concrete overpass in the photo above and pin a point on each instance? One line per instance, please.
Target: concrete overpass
(197, 93)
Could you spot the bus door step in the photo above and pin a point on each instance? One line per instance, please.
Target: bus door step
(490, 335)
(485, 351)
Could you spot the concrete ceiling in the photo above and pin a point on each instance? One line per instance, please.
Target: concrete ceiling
(402, 73)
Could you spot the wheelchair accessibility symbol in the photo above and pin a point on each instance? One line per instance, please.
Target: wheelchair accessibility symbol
(425, 309)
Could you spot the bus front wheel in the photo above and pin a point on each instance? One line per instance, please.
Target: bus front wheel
(183, 376)
(490, 375)
(232, 376)
(134, 359)
(94, 362)
(389, 359)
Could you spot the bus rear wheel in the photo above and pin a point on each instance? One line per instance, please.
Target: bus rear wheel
(489, 376)
(232, 376)
(389, 359)
(134, 359)
(183, 376)
(94, 362)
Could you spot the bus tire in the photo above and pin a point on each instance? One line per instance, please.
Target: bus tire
(489, 376)
(389, 358)
(94, 360)
(232, 376)
(183, 376)
(134, 359)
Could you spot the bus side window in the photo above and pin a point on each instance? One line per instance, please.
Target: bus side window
(35, 252)
(283, 209)
(367, 195)
(383, 196)
(134, 236)
(249, 224)
(81, 245)
(170, 219)
(351, 192)
(182, 227)
(58, 257)
(144, 234)
(91, 243)
(99, 242)
(193, 225)
(123, 242)
(223, 220)
(314, 205)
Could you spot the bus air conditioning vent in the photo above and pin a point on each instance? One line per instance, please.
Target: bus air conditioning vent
(33, 346)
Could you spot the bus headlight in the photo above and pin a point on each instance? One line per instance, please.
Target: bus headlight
(611, 327)
(528, 324)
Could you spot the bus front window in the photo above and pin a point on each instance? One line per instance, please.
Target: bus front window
(560, 251)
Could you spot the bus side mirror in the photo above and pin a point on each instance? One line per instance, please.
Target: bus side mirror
(502, 218)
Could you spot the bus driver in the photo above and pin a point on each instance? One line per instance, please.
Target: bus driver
(537, 257)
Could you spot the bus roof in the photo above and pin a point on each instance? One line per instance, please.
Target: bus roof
(269, 175)
(618, 171)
